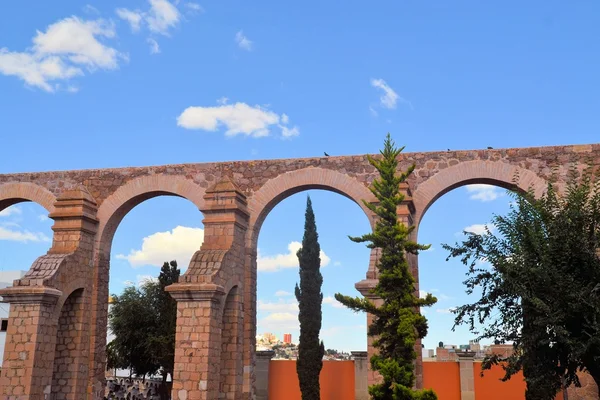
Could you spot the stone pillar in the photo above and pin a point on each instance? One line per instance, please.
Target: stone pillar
(197, 341)
(40, 333)
(29, 349)
(365, 287)
(263, 361)
(215, 271)
(361, 366)
(467, 375)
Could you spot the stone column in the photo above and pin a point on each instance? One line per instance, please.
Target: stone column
(365, 287)
(36, 316)
(467, 375)
(216, 272)
(197, 341)
(263, 361)
(361, 366)
(29, 349)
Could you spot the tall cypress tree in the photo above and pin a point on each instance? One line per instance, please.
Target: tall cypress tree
(310, 298)
(397, 324)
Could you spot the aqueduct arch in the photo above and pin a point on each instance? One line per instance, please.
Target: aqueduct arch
(220, 282)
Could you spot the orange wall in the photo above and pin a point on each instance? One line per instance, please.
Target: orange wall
(489, 386)
(444, 379)
(337, 380)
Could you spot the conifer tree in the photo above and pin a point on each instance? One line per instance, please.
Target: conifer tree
(310, 298)
(397, 322)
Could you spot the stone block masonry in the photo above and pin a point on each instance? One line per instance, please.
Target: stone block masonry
(216, 324)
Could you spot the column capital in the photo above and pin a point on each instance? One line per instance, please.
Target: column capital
(30, 295)
(365, 286)
(196, 292)
(465, 355)
(359, 354)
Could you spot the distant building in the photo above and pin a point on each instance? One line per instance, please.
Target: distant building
(428, 354)
(287, 338)
(6, 280)
(503, 350)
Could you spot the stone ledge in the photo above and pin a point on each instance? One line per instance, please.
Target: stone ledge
(196, 292)
(30, 295)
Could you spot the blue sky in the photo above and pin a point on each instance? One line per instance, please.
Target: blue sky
(115, 83)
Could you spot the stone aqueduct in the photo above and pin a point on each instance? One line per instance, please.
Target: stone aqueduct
(58, 311)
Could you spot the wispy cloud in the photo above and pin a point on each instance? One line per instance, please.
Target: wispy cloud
(479, 229)
(389, 98)
(23, 236)
(154, 48)
(282, 293)
(445, 310)
(484, 193)
(286, 260)
(333, 302)
(243, 42)
(12, 210)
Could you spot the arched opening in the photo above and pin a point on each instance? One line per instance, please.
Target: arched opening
(343, 264)
(25, 234)
(470, 207)
(68, 376)
(231, 351)
(139, 231)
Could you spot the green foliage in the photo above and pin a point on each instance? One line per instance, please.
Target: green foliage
(397, 324)
(540, 285)
(310, 298)
(143, 321)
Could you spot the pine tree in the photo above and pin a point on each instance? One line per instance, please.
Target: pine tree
(397, 324)
(310, 298)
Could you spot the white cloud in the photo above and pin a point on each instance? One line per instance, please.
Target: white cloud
(154, 48)
(78, 40)
(483, 192)
(445, 310)
(287, 260)
(238, 118)
(279, 321)
(162, 16)
(179, 244)
(438, 295)
(373, 112)
(22, 236)
(289, 132)
(140, 280)
(12, 210)
(277, 307)
(337, 263)
(333, 302)
(61, 51)
(389, 98)
(43, 218)
(479, 229)
(134, 18)
(243, 42)
(282, 293)
(223, 100)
